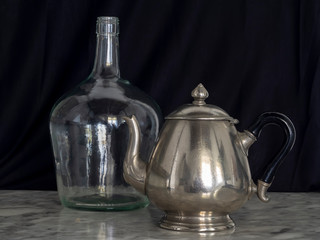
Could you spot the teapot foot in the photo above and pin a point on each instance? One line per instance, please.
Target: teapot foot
(219, 224)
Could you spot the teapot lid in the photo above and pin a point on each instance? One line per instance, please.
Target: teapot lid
(199, 110)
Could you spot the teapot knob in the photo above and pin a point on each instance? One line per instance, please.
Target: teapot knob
(199, 94)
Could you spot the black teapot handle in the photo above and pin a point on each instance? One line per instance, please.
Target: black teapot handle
(285, 123)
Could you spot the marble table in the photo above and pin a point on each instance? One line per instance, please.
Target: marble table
(39, 215)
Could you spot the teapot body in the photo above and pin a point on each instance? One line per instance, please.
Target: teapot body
(198, 166)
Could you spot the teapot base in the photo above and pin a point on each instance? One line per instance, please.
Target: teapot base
(218, 224)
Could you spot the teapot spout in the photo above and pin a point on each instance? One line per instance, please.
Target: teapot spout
(134, 169)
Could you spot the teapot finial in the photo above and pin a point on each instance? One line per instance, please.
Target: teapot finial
(199, 94)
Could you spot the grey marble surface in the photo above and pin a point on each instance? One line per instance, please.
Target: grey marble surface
(39, 215)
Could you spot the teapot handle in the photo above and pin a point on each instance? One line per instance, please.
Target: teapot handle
(285, 123)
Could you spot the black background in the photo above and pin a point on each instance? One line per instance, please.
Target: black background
(252, 56)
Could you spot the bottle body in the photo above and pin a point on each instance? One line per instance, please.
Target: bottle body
(89, 140)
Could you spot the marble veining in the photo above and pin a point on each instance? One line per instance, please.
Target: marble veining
(39, 215)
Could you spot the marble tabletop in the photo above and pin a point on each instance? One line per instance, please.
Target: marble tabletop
(39, 215)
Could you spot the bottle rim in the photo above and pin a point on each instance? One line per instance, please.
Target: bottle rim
(107, 25)
(108, 19)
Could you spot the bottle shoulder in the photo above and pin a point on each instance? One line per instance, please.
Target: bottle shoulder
(94, 97)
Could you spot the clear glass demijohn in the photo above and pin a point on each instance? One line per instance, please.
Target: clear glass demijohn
(90, 138)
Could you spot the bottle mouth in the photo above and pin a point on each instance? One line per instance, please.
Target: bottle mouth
(107, 26)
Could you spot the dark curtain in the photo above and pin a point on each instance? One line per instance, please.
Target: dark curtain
(252, 56)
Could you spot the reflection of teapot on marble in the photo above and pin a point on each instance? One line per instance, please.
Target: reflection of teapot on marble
(199, 172)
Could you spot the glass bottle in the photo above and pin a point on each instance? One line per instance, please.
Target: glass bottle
(89, 136)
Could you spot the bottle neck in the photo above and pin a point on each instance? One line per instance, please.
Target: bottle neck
(106, 64)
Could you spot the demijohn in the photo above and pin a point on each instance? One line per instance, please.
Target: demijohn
(90, 137)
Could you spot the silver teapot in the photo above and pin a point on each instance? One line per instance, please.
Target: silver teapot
(199, 173)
